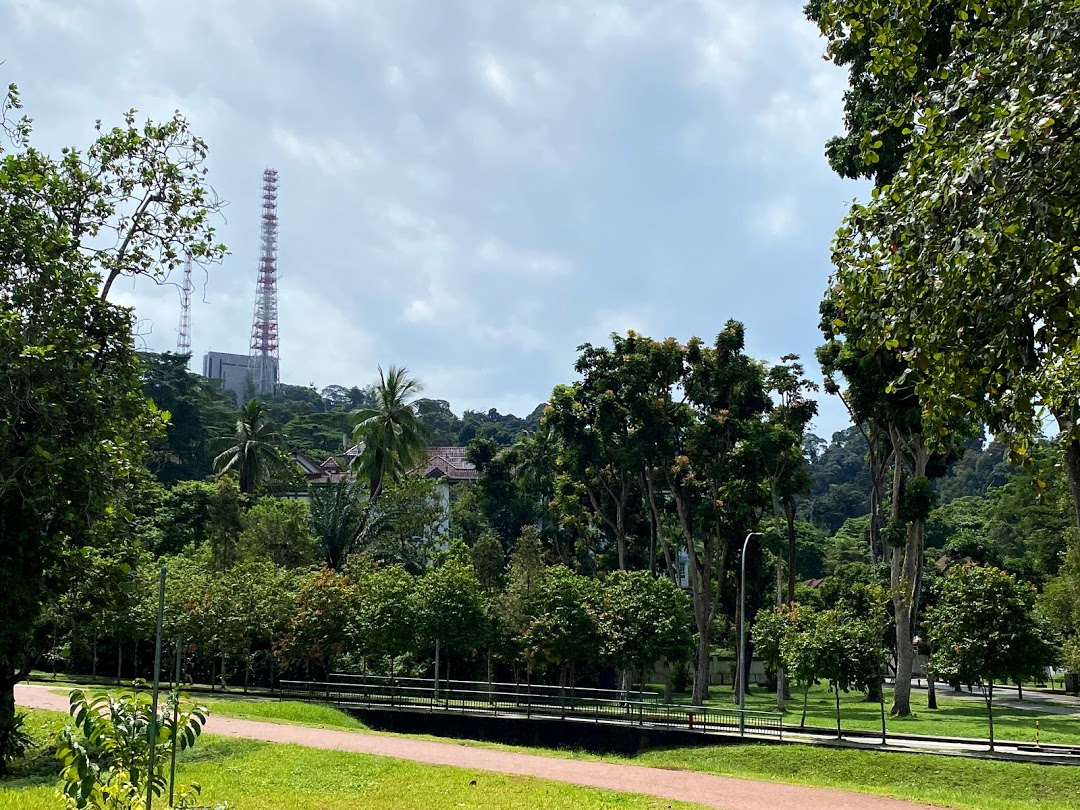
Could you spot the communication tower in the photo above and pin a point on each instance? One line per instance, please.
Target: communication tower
(183, 334)
(263, 363)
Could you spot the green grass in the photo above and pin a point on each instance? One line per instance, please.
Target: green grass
(948, 781)
(261, 771)
(284, 711)
(263, 776)
(953, 782)
(953, 717)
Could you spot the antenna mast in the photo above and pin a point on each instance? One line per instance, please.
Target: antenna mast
(263, 363)
(183, 334)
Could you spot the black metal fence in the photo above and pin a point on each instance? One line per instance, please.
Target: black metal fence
(517, 700)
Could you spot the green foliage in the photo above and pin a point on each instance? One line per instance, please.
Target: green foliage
(389, 432)
(500, 500)
(982, 628)
(74, 424)
(106, 755)
(386, 621)
(489, 560)
(252, 453)
(916, 500)
(197, 411)
(319, 619)
(405, 524)
(14, 742)
(643, 619)
(451, 606)
(225, 522)
(977, 227)
(563, 628)
(279, 529)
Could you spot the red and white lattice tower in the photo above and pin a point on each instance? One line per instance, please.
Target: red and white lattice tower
(183, 333)
(263, 364)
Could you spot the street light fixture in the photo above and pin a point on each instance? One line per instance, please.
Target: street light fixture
(740, 681)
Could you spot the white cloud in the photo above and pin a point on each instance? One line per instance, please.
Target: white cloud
(495, 76)
(493, 254)
(474, 188)
(775, 219)
(329, 155)
(419, 310)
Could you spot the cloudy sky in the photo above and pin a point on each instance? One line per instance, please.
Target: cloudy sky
(473, 188)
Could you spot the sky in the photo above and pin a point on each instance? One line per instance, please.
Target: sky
(473, 188)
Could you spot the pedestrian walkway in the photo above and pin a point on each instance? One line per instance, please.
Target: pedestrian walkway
(705, 790)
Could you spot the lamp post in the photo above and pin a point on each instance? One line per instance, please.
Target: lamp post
(740, 681)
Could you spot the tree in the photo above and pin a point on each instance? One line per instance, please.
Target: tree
(406, 524)
(74, 424)
(106, 755)
(279, 529)
(451, 606)
(644, 619)
(320, 617)
(253, 454)
(594, 422)
(984, 630)
(563, 629)
(193, 411)
(498, 494)
(978, 226)
(225, 521)
(489, 561)
(389, 431)
(784, 460)
(787, 637)
(339, 519)
(385, 624)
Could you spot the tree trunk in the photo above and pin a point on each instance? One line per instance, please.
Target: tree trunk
(667, 681)
(789, 509)
(805, 700)
(7, 716)
(701, 670)
(906, 578)
(931, 691)
(93, 669)
(990, 710)
(1019, 690)
(119, 661)
(836, 690)
(1072, 472)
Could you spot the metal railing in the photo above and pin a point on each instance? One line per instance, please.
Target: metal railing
(502, 699)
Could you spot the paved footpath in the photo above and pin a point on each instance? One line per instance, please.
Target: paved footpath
(699, 788)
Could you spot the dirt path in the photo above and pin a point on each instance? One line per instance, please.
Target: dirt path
(703, 789)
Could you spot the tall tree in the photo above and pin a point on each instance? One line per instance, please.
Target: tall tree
(784, 460)
(967, 259)
(594, 422)
(253, 450)
(389, 431)
(74, 423)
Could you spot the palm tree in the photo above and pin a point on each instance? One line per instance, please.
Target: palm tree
(389, 432)
(343, 520)
(253, 452)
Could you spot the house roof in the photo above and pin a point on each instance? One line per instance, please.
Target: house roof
(442, 462)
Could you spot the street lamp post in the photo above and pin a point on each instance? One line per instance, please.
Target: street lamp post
(740, 681)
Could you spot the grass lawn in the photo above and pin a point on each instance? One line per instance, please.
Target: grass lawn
(238, 770)
(953, 717)
(947, 781)
(283, 711)
(263, 776)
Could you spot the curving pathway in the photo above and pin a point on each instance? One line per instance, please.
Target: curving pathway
(721, 792)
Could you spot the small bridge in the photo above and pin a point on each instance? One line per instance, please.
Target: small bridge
(519, 701)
